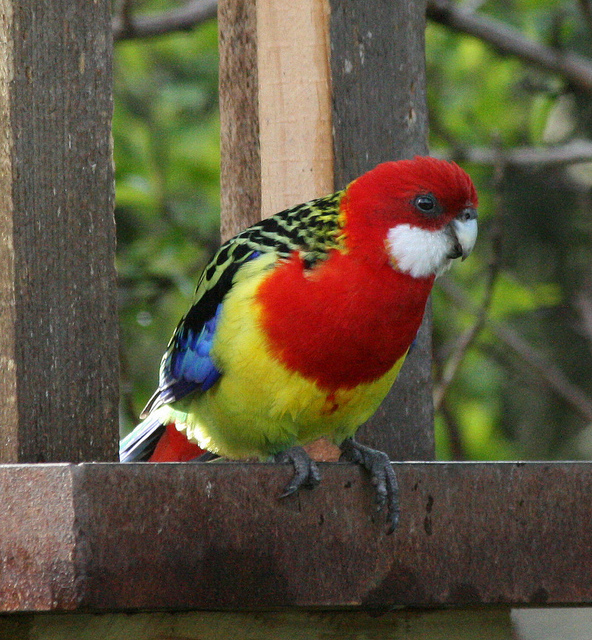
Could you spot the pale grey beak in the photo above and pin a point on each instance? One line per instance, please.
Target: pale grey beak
(463, 230)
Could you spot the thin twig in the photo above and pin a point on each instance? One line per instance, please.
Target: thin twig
(457, 447)
(566, 154)
(586, 9)
(183, 18)
(459, 352)
(576, 69)
(548, 372)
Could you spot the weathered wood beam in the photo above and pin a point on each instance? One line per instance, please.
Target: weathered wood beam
(470, 533)
(380, 114)
(58, 316)
(476, 622)
(240, 166)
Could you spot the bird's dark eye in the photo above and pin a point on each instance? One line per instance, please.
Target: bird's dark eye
(427, 203)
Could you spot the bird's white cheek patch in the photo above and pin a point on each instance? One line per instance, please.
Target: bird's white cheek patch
(418, 252)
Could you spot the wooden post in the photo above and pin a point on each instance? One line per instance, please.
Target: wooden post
(379, 114)
(240, 168)
(275, 107)
(58, 320)
(294, 102)
(313, 94)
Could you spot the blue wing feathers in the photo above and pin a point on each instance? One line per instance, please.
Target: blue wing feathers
(187, 365)
(190, 359)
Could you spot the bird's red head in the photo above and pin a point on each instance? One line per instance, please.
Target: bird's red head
(416, 213)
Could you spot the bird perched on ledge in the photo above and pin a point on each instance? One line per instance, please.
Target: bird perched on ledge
(302, 322)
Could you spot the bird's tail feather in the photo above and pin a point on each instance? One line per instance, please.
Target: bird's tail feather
(139, 445)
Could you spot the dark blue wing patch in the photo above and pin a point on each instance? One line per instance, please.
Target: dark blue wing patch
(190, 359)
(187, 365)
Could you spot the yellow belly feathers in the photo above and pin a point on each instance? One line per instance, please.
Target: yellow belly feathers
(258, 407)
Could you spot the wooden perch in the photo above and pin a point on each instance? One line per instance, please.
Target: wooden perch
(110, 537)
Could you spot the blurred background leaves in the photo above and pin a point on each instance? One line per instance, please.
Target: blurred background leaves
(513, 324)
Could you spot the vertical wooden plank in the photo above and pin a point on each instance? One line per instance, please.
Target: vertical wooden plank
(240, 169)
(58, 344)
(8, 371)
(494, 624)
(294, 102)
(275, 107)
(379, 114)
(378, 69)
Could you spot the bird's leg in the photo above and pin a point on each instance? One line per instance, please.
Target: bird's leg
(382, 477)
(306, 472)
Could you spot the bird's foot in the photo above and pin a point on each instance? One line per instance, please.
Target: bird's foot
(382, 477)
(306, 472)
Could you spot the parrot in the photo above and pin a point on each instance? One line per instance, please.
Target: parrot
(300, 325)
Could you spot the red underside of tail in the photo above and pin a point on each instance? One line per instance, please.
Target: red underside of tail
(174, 447)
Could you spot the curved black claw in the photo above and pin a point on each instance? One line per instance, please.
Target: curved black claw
(306, 472)
(382, 477)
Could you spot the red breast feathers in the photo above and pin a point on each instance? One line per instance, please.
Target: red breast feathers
(348, 319)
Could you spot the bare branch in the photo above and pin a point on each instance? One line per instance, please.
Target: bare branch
(576, 69)
(550, 374)
(457, 447)
(583, 303)
(184, 18)
(586, 9)
(570, 153)
(459, 352)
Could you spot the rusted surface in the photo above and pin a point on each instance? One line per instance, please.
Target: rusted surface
(182, 536)
(37, 540)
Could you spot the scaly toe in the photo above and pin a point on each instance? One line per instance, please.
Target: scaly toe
(306, 472)
(382, 477)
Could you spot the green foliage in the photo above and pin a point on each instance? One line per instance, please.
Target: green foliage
(166, 132)
(498, 406)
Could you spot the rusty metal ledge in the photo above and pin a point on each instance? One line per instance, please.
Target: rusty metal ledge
(111, 537)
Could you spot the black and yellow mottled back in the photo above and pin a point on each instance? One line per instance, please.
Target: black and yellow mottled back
(312, 229)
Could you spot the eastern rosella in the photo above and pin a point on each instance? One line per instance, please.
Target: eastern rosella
(302, 322)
